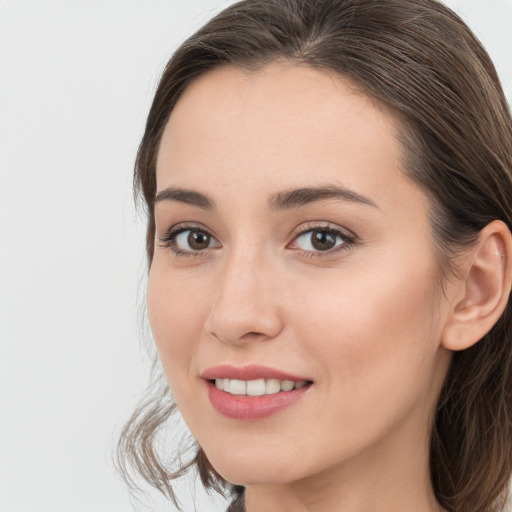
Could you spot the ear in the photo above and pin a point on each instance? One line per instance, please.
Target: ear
(482, 292)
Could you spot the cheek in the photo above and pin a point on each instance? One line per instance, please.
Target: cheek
(176, 318)
(373, 337)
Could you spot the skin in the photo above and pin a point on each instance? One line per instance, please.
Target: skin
(363, 321)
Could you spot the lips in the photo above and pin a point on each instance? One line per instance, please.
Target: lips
(244, 407)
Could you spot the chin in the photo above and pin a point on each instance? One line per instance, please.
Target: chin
(254, 469)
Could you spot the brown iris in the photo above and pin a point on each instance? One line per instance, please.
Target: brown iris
(198, 240)
(323, 240)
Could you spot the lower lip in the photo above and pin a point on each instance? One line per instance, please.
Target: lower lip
(243, 407)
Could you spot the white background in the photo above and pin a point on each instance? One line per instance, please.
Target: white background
(76, 81)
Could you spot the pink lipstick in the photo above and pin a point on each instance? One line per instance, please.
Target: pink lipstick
(252, 392)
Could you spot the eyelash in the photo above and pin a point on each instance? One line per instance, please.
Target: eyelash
(168, 240)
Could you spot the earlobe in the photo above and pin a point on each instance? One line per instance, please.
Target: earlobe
(484, 288)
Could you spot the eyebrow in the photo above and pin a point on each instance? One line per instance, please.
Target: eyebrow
(279, 201)
(303, 196)
(183, 195)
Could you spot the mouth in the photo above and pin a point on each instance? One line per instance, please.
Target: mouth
(253, 392)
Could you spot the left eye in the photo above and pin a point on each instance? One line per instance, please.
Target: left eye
(322, 240)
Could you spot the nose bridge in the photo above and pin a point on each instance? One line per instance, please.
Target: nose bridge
(245, 303)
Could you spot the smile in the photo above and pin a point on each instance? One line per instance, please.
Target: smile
(255, 407)
(258, 387)
(253, 392)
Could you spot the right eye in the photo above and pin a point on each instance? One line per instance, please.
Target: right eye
(188, 241)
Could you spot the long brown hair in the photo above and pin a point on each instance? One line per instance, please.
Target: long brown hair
(420, 60)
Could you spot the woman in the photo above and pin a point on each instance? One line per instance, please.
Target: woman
(328, 186)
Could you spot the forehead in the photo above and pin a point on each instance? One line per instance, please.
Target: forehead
(281, 127)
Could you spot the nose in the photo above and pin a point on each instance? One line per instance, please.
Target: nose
(246, 306)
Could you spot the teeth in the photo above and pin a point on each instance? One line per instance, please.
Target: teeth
(238, 387)
(287, 385)
(272, 386)
(258, 387)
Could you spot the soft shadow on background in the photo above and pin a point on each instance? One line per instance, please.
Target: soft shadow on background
(76, 81)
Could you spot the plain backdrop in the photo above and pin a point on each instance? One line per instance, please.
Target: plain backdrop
(76, 82)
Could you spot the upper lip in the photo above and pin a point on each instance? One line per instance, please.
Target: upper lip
(250, 372)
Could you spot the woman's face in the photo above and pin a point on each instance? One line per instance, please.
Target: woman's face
(291, 246)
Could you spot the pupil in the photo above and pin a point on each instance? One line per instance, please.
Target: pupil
(198, 240)
(323, 240)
